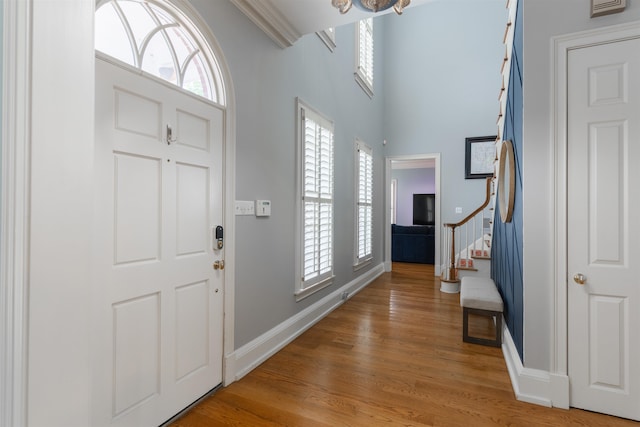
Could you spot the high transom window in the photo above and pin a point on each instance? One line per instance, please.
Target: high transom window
(154, 37)
(364, 55)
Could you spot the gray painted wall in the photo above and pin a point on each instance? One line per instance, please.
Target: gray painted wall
(410, 182)
(432, 89)
(544, 19)
(267, 80)
(442, 81)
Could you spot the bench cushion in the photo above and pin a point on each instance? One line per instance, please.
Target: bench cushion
(480, 293)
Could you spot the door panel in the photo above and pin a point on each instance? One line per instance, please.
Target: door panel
(192, 209)
(603, 227)
(193, 131)
(136, 365)
(138, 114)
(607, 143)
(137, 200)
(609, 328)
(192, 328)
(157, 300)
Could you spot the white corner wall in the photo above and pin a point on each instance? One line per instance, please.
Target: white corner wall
(59, 246)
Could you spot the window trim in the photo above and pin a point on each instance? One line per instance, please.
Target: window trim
(328, 37)
(360, 262)
(394, 200)
(360, 73)
(326, 279)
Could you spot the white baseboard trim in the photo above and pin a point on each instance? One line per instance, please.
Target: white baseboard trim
(249, 356)
(533, 385)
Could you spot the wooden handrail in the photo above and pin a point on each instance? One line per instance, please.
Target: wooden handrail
(451, 271)
(477, 211)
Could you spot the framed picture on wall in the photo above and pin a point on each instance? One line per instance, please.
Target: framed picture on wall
(480, 155)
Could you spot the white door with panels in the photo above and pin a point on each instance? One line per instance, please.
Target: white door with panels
(603, 206)
(158, 301)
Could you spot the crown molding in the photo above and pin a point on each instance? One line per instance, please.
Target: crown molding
(269, 19)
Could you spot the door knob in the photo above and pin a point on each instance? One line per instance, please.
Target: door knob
(218, 265)
(579, 278)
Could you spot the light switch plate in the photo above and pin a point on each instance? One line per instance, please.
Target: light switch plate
(244, 207)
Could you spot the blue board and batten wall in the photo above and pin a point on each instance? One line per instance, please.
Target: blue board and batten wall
(506, 256)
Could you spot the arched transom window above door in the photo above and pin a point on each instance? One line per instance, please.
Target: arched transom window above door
(155, 37)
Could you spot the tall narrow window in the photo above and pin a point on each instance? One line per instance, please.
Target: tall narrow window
(315, 180)
(364, 205)
(364, 55)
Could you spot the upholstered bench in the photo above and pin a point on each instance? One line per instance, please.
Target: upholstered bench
(479, 295)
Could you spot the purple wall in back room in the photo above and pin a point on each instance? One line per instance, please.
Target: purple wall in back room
(410, 182)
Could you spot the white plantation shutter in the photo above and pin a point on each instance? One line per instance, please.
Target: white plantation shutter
(364, 203)
(317, 198)
(365, 52)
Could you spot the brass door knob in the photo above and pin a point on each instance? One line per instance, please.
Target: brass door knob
(218, 265)
(579, 278)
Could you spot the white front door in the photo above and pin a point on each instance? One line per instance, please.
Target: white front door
(604, 227)
(158, 302)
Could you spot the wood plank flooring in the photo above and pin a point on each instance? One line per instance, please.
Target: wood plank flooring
(390, 356)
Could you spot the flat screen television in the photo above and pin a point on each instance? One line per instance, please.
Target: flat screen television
(424, 209)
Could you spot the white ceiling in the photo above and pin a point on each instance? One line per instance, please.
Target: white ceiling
(285, 21)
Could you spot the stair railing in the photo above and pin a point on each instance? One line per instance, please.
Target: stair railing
(474, 237)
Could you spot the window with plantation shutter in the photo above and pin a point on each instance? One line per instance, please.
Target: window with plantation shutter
(364, 205)
(364, 55)
(315, 179)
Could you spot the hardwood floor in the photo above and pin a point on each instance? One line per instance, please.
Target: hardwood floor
(392, 355)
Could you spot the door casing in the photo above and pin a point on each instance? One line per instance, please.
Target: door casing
(387, 203)
(561, 46)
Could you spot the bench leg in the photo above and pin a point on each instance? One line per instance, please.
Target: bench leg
(497, 342)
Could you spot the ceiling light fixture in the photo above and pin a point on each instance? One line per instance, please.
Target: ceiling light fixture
(371, 5)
